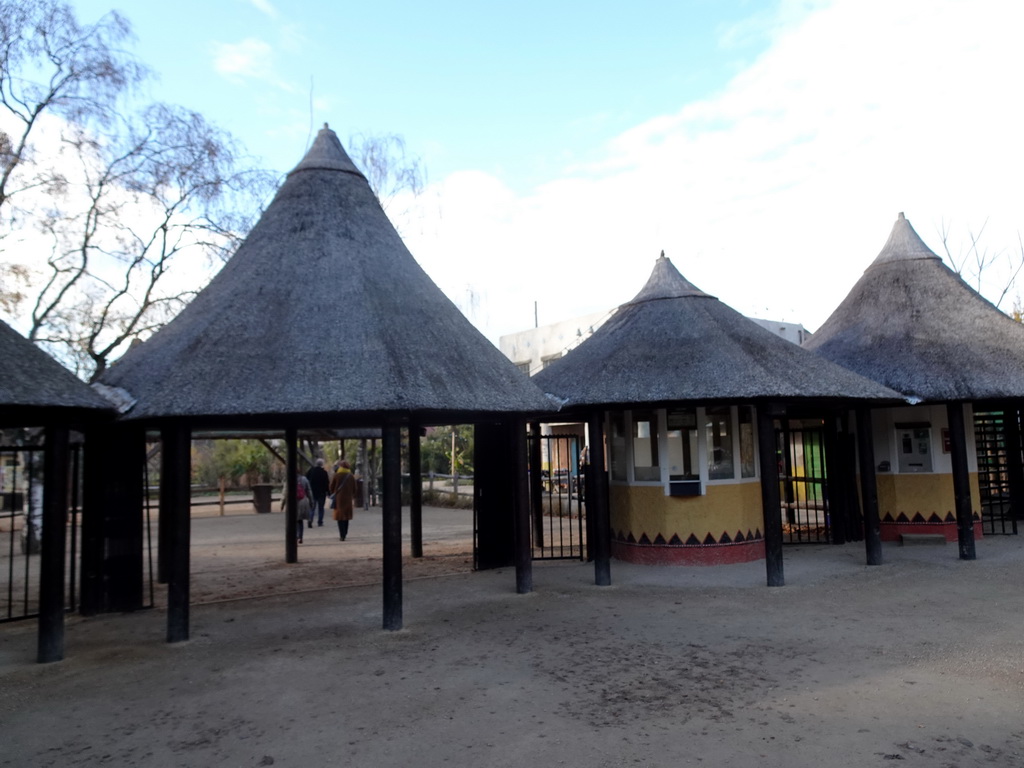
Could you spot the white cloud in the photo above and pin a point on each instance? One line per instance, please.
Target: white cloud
(264, 7)
(775, 193)
(251, 59)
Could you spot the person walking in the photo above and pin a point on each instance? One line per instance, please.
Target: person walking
(319, 481)
(304, 494)
(343, 486)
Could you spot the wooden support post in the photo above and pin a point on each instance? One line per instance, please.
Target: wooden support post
(961, 480)
(51, 577)
(868, 487)
(771, 499)
(597, 502)
(521, 510)
(415, 492)
(98, 443)
(175, 493)
(222, 484)
(835, 479)
(392, 525)
(536, 486)
(291, 515)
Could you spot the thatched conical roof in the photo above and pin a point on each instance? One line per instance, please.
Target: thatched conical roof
(673, 342)
(322, 310)
(913, 324)
(36, 390)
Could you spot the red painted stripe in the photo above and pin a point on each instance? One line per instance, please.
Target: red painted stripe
(710, 554)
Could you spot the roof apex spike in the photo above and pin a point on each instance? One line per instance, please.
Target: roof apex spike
(666, 282)
(326, 154)
(904, 244)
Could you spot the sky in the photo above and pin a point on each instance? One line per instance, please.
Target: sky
(766, 147)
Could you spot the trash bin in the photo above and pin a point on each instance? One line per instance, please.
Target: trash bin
(261, 497)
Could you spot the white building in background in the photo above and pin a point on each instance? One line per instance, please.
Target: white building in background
(533, 349)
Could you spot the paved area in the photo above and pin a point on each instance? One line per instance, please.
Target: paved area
(919, 662)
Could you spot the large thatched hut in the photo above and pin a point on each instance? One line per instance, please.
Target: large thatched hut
(687, 389)
(37, 391)
(914, 325)
(323, 319)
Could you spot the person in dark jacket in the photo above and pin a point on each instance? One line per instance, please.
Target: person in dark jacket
(318, 481)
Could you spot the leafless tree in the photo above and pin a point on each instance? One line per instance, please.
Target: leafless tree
(118, 219)
(393, 173)
(52, 65)
(991, 272)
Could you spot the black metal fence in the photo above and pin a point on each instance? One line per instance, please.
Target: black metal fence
(805, 512)
(557, 498)
(21, 529)
(993, 471)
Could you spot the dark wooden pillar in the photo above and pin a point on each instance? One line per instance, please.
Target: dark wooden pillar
(835, 476)
(415, 492)
(391, 509)
(868, 487)
(112, 523)
(521, 500)
(961, 480)
(175, 500)
(597, 502)
(291, 514)
(51, 578)
(536, 484)
(771, 499)
(98, 442)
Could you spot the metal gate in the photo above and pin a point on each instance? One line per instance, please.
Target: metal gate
(21, 519)
(21, 526)
(557, 498)
(804, 487)
(993, 475)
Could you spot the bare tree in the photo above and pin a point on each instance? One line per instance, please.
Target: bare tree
(983, 267)
(165, 186)
(118, 227)
(52, 65)
(393, 174)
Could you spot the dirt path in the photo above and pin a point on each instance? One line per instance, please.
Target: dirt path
(919, 662)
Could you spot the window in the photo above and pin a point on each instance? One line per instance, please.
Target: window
(913, 446)
(524, 367)
(682, 437)
(747, 446)
(645, 446)
(718, 425)
(617, 446)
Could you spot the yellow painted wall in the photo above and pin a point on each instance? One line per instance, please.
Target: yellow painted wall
(924, 494)
(725, 509)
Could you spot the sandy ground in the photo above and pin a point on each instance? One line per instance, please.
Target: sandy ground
(919, 662)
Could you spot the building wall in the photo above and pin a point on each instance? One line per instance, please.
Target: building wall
(922, 501)
(723, 526)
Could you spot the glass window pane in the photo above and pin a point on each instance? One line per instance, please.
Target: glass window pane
(645, 446)
(719, 436)
(682, 444)
(747, 447)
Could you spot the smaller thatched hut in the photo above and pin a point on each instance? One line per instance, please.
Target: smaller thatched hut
(914, 325)
(36, 391)
(684, 383)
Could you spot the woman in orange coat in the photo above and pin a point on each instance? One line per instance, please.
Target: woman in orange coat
(343, 487)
